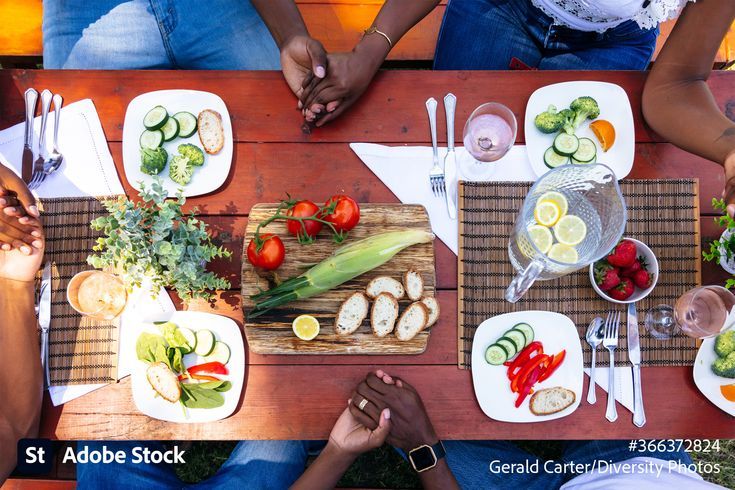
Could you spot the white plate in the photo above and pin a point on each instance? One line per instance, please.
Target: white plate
(492, 387)
(208, 177)
(614, 106)
(707, 381)
(224, 329)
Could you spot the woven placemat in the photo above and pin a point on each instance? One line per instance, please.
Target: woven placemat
(81, 350)
(664, 214)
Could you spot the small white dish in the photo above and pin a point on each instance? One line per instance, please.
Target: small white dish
(614, 107)
(207, 178)
(638, 294)
(225, 330)
(492, 388)
(708, 382)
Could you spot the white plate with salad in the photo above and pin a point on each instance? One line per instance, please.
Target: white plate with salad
(547, 150)
(166, 119)
(524, 338)
(189, 369)
(714, 373)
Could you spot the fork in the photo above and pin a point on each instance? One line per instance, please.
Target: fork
(436, 174)
(39, 174)
(610, 342)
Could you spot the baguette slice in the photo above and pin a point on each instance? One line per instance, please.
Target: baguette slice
(414, 284)
(385, 284)
(211, 132)
(383, 314)
(351, 314)
(433, 305)
(412, 321)
(551, 400)
(164, 381)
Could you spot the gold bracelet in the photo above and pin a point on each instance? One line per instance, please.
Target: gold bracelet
(374, 30)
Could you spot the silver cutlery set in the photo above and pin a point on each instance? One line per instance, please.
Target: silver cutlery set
(39, 164)
(443, 179)
(605, 332)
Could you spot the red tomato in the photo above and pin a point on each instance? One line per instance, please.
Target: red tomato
(346, 214)
(270, 255)
(304, 209)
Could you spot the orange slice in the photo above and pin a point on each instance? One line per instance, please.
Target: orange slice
(605, 133)
(728, 391)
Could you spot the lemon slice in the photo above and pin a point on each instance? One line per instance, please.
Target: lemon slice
(570, 230)
(306, 327)
(558, 199)
(546, 213)
(541, 237)
(563, 253)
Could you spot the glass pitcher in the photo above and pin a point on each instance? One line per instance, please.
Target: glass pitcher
(593, 194)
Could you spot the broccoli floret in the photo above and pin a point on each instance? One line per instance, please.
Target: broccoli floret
(152, 162)
(549, 121)
(725, 366)
(180, 170)
(725, 343)
(584, 108)
(193, 153)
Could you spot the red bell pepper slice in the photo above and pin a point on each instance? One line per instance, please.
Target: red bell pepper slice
(553, 365)
(528, 386)
(209, 367)
(521, 359)
(519, 380)
(200, 377)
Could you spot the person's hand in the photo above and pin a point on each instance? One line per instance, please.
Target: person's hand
(19, 224)
(12, 186)
(729, 192)
(21, 264)
(302, 57)
(351, 437)
(410, 424)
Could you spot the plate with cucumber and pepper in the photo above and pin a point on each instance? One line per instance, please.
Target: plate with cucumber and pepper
(580, 123)
(183, 137)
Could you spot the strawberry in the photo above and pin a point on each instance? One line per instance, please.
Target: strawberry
(623, 255)
(606, 276)
(640, 263)
(643, 279)
(622, 291)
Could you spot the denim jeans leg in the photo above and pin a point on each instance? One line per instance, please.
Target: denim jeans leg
(104, 34)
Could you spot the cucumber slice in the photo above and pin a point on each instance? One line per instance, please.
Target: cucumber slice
(220, 353)
(566, 144)
(552, 159)
(151, 139)
(170, 130)
(191, 339)
(495, 355)
(155, 118)
(187, 123)
(574, 161)
(508, 345)
(517, 337)
(205, 342)
(527, 331)
(586, 152)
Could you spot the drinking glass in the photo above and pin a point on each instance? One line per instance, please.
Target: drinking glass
(97, 294)
(593, 194)
(702, 312)
(489, 133)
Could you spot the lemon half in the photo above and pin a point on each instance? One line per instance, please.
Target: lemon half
(306, 327)
(558, 199)
(546, 213)
(541, 237)
(563, 253)
(570, 230)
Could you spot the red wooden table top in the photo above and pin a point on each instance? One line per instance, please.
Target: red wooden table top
(299, 397)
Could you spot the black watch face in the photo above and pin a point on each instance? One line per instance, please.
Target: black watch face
(423, 457)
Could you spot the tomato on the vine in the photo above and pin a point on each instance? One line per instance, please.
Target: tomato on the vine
(346, 213)
(310, 228)
(271, 254)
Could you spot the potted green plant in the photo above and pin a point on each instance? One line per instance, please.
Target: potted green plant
(153, 242)
(723, 250)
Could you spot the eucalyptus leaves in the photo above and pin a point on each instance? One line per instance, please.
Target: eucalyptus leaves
(153, 239)
(724, 248)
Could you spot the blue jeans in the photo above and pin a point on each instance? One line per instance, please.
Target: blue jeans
(488, 34)
(163, 34)
(256, 465)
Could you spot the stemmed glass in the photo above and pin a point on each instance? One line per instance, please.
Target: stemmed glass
(489, 133)
(700, 313)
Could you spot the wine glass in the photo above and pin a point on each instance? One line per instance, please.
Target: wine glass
(702, 312)
(489, 133)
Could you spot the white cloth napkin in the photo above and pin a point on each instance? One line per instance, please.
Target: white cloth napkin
(87, 169)
(405, 170)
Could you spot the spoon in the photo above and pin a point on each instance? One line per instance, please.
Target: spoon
(594, 337)
(55, 157)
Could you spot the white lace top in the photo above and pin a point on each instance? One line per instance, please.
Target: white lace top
(600, 15)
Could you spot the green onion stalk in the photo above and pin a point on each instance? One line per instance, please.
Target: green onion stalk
(347, 262)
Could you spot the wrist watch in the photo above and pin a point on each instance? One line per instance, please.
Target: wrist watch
(425, 457)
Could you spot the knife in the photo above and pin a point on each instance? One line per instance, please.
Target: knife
(634, 353)
(44, 319)
(450, 160)
(31, 97)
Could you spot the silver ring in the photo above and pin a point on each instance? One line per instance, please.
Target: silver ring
(362, 404)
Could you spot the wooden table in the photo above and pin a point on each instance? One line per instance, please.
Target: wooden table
(299, 397)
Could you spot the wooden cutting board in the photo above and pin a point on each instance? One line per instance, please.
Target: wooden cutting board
(272, 334)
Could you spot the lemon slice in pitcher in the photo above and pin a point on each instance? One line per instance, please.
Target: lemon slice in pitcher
(563, 253)
(546, 213)
(306, 327)
(541, 237)
(558, 199)
(570, 230)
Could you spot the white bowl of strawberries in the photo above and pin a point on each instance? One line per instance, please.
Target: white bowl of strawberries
(628, 273)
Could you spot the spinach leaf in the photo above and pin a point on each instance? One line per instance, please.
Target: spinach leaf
(220, 386)
(147, 345)
(177, 361)
(193, 395)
